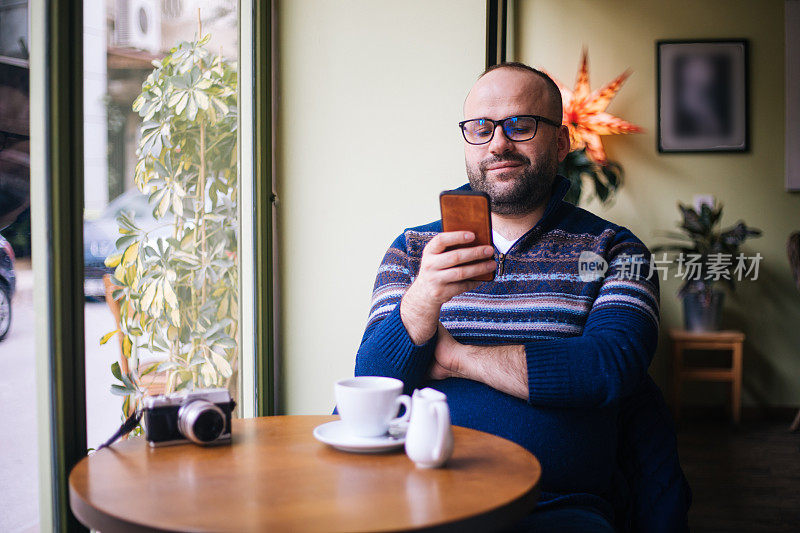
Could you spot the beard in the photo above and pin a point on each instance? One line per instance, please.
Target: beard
(527, 192)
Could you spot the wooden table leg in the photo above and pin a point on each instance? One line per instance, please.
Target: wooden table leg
(736, 390)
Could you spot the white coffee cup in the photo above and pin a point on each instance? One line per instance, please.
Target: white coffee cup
(368, 404)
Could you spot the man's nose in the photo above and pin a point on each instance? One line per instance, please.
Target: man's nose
(500, 143)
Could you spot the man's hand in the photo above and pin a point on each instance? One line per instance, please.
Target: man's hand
(504, 368)
(442, 275)
(447, 356)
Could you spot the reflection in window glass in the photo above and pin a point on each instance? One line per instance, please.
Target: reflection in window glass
(161, 202)
(19, 506)
(14, 29)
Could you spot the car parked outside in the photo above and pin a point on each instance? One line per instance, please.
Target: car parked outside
(101, 234)
(8, 284)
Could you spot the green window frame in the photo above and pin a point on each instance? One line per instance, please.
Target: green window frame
(56, 35)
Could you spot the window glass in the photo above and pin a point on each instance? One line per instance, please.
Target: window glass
(161, 230)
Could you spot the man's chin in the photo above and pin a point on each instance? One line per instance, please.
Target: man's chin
(501, 195)
(504, 183)
(505, 174)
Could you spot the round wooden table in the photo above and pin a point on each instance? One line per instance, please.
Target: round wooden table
(277, 477)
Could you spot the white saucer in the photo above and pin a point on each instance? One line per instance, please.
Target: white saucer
(336, 435)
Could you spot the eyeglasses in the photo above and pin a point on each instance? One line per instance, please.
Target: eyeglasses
(518, 129)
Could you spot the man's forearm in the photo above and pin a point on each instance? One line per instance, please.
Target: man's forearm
(420, 320)
(504, 368)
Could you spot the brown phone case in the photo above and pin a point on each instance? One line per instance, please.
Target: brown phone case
(468, 211)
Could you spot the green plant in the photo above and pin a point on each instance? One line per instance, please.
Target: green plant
(178, 293)
(701, 238)
(605, 178)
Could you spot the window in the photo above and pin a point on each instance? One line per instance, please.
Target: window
(162, 196)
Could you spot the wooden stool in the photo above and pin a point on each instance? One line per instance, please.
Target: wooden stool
(712, 340)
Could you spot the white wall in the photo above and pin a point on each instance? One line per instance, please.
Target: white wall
(354, 79)
(620, 34)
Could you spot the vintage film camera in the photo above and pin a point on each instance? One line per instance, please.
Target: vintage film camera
(200, 416)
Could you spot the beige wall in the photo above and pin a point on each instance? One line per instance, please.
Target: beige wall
(621, 34)
(354, 78)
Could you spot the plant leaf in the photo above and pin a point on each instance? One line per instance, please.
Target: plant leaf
(104, 338)
(222, 365)
(126, 346)
(118, 390)
(115, 370)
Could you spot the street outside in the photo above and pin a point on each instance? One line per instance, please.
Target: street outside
(19, 506)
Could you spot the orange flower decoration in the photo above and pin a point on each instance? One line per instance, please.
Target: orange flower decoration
(585, 116)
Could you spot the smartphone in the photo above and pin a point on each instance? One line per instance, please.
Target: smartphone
(468, 211)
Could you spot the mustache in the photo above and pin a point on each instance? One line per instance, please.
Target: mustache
(507, 158)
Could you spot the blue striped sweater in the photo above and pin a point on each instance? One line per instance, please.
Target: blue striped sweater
(588, 342)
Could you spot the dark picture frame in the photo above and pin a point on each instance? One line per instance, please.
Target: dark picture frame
(703, 96)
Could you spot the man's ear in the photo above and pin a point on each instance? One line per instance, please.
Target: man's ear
(562, 141)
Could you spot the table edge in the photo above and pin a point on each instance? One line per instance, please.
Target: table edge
(498, 518)
(91, 517)
(480, 523)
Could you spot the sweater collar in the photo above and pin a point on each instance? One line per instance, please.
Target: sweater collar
(559, 189)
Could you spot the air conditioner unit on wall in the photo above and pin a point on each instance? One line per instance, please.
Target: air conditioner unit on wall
(138, 24)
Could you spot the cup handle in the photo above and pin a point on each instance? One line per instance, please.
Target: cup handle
(440, 411)
(403, 399)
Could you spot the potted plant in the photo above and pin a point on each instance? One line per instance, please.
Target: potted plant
(707, 257)
(605, 178)
(177, 286)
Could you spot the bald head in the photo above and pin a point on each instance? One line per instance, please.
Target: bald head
(516, 174)
(514, 84)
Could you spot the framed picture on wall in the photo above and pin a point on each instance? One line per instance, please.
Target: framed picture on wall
(702, 96)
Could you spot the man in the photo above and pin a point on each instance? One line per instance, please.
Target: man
(545, 353)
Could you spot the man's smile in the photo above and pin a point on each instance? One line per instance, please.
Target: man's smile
(505, 165)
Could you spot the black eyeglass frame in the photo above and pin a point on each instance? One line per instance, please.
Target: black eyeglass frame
(502, 124)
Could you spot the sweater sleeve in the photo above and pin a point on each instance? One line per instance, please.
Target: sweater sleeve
(610, 359)
(386, 348)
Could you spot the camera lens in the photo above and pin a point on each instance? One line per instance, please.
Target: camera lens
(201, 421)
